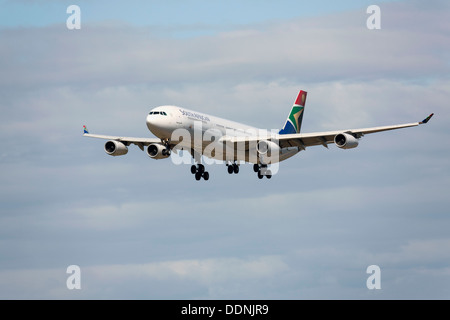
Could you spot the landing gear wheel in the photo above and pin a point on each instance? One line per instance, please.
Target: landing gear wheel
(235, 168)
(199, 172)
(230, 169)
(262, 171)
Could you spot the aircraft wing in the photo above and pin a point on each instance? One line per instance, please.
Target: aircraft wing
(144, 141)
(140, 142)
(303, 140)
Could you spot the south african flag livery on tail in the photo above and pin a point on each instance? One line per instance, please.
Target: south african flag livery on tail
(294, 120)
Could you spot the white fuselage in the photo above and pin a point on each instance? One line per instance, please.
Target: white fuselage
(170, 122)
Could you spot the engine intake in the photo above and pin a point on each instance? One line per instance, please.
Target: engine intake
(345, 141)
(115, 148)
(267, 148)
(157, 151)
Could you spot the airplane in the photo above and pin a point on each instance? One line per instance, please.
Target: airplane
(177, 128)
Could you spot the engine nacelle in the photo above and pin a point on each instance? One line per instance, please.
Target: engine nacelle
(345, 141)
(115, 148)
(157, 151)
(267, 148)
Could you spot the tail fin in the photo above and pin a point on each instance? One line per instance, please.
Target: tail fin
(85, 130)
(294, 120)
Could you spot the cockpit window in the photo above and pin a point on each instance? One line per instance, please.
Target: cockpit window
(158, 112)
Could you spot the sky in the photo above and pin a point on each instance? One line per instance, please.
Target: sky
(140, 228)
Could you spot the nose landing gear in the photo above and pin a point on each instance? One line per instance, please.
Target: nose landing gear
(166, 152)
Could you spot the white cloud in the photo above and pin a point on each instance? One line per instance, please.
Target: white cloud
(211, 277)
(428, 253)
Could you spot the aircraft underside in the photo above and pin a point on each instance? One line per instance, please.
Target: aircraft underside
(218, 153)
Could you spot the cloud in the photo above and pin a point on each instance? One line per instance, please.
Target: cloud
(323, 272)
(141, 228)
(319, 49)
(207, 278)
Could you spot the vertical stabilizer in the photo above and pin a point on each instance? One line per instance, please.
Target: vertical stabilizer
(294, 120)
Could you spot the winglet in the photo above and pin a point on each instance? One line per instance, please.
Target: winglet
(85, 130)
(426, 119)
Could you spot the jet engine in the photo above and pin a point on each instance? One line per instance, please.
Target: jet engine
(267, 148)
(345, 141)
(115, 148)
(157, 151)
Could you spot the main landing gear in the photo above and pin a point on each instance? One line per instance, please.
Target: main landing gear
(233, 168)
(262, 171)
(199, 172)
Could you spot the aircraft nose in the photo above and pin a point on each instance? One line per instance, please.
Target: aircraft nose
(157, 123)
(151, 122)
